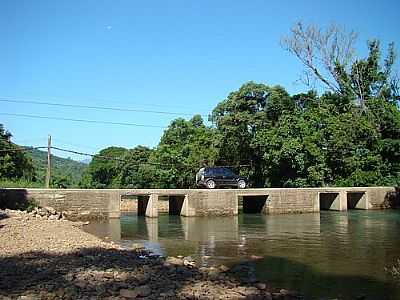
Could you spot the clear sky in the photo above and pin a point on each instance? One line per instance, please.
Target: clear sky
(179, 56)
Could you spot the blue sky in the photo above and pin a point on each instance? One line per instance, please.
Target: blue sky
(180, 56)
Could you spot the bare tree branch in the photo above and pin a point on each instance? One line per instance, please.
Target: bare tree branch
(321, 51)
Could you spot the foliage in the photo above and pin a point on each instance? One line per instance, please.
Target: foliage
(130, 173)
(65, 171)
(329, 57)
(14, 164)
(183, 149)
(238, 120)
(19, 183)
(103, 169)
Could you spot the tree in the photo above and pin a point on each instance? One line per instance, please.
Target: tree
(320, 51)
(184, 147)
(14, 164)
(329, 57)
(103, 170)
(130, 167)
(239, 118)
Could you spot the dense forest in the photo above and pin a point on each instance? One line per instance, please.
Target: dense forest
(343, 131)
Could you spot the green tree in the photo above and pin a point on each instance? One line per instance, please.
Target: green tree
(14, 164)
(103, 170)
(239, 118)
(132, 167)
(184, 147)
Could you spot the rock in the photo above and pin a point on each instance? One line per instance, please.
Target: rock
(142, 278)
(137, 246)
(267, 296)
(60, 292)
(81, 284)
(277, 296)
(189, 263)
(28, 297)
(100, 289)
(53, 217)
(284, 292)
(169, 293)
(174, 261)
(50, 210)
(130, 294)
(255, 257)
(143, 290)
(223, 268)
(261, 286)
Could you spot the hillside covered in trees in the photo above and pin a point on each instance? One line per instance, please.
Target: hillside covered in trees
(22, 166)
(65, 172)
(343, 131)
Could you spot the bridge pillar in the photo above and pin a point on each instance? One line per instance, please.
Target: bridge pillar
(152, 206)
(187, 210)
(342, 200)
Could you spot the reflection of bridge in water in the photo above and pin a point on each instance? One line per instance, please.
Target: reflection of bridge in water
(294, 249)
(210, 233)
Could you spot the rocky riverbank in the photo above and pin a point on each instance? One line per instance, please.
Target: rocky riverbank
(44, 257)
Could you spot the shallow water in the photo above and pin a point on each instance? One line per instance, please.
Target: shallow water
(331, 254)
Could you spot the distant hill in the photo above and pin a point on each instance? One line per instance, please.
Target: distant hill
(61, 167)
(86, 161)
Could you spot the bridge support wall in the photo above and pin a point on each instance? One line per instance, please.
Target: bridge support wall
(89, 204)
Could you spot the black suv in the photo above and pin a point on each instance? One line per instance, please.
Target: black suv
(212, 177)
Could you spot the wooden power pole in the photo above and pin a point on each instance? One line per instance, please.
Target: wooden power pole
(48, 174)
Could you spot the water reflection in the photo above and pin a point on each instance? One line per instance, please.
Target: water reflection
(329, 254)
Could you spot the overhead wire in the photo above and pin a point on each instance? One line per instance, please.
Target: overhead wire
(106, 157)
(80, 120)
(120, 109)
(137, 164)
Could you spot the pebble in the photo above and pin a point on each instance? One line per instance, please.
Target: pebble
(130, 294)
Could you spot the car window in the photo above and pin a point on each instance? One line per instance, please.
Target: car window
(221, 172)
(228, 172)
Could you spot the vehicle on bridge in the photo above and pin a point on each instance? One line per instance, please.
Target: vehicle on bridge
(212, 177)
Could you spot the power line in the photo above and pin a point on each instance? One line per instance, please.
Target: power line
(105, 157)
(81, 120)
(138, 164)
(98, 107)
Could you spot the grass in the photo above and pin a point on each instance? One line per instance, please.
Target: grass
(21, 183)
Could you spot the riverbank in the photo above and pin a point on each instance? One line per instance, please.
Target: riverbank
(43, 258)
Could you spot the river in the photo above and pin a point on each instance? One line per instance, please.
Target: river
(322, 255)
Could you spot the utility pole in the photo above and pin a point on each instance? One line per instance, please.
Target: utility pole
(48, 174)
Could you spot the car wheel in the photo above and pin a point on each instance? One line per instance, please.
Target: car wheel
(241, 184)
(211, 184)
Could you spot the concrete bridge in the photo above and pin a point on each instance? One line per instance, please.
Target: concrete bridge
(95, 203)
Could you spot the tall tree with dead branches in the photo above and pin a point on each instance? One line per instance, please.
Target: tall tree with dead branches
(329, 57)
